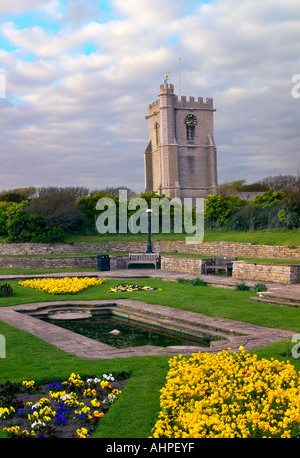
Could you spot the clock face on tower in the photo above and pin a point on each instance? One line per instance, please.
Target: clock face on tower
(191, 120)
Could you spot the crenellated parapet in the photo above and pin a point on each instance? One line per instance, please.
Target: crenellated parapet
(153, 108)
(171, 99)
(193, 103)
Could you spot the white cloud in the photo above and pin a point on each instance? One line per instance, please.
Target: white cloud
(19, 6)
(81, 115)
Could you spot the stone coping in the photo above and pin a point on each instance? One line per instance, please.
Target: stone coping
(236, 333)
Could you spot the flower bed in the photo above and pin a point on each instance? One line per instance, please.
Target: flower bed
(229, 395)
(67, 285)
(66, 409)
(131, 288)
(6, 290)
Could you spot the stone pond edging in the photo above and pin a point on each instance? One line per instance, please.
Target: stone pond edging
(236, 333)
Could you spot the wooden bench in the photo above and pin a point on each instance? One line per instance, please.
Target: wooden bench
(220, 263)
(143, 258)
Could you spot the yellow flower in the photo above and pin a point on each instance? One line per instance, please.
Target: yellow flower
(83, 433)
(67, 285)
(28, 384)
(95, 403)
(229, 395)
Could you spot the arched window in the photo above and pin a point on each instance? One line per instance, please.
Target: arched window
(190, 122)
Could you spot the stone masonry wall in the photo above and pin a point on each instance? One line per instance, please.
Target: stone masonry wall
(260, 272)
(187, 265)
(242, 250)
(59, 262)
(280, 273)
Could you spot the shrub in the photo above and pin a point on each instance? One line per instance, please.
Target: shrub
(58, 206)
(219, 208)
(242, 287)
(192, 282)
(289, 215)
(260, 287)
(33, 228)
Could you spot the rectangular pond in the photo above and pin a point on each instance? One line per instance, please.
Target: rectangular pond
(120, 332)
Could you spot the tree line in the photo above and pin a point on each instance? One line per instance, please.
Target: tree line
(49, 214)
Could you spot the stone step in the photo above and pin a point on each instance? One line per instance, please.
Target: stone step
(180, 325)
(277, 301)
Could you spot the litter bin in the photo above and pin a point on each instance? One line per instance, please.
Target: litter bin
(103, 262)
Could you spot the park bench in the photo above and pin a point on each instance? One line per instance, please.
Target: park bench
(143, 258)
(220, 263)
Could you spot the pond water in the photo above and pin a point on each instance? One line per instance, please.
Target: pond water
(132, 333)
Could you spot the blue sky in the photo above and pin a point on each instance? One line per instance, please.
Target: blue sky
(79, 75)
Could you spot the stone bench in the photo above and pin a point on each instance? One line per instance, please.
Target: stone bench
(220, 263)
(143, 258)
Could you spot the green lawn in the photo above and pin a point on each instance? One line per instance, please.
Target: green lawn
(283, 237)
(28, 357)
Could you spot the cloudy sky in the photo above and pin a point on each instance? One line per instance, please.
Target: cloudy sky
(79, 75)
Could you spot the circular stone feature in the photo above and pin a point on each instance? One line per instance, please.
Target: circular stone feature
(69, 315)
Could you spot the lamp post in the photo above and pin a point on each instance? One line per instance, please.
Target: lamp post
(149, 245)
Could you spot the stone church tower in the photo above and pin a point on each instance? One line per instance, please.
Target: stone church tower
(181, 159)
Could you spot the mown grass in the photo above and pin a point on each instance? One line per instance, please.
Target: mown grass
(281, 237)
(133, 416)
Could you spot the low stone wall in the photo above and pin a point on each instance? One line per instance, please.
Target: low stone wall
(240, 250)
(262, 272)
(59, 262)
(187, 265)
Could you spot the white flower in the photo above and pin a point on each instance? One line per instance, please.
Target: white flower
(108, 377)
(37, 424)
(111, 398)
(65, 397)
(93, 380)
(37, 405)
